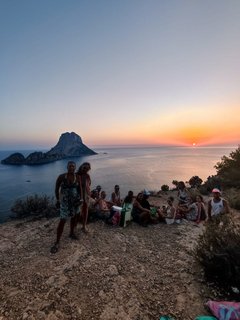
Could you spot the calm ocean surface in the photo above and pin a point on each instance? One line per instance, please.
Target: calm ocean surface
(131, 168)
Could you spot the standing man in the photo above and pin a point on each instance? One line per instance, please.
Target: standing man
(217, 205)
(68, 195)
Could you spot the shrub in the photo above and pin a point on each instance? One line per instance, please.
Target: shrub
(195, 182)
(175, 183)
(165, 187)
(39, 206)
(218, 252)
(210, 183)
(233, 197)
(228, 169)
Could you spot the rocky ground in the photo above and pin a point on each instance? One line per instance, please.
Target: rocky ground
(110, 273)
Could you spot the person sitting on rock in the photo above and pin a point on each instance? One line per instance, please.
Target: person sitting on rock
(68, 194)
(115, 196)
(129, 198)
(146, 204)
(103, 207)
(201, 209)
(93, 202)
(139, 214)
(191, 211)
(168, 213)
(98, 189)
(183, 194)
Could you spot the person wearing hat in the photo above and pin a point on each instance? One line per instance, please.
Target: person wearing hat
(145, 203)
(217, 205)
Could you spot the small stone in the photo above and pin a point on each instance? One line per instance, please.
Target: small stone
(113, 271)
(25, 316)
(41, 315)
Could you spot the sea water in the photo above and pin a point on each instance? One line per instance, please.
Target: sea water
(133, 169)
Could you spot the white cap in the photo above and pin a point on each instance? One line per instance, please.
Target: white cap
(146, 192)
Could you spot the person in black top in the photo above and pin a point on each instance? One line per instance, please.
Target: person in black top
(145, 203)
(68, 194)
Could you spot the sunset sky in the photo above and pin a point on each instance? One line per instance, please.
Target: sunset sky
(148, 72)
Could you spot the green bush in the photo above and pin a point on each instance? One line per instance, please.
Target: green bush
(175, 183)
(195, 182)
(210, 183)
(228, 169)
(228, 176)
(218, 252)
(233, 197)
(38, 206)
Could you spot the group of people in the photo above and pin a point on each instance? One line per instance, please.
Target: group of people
(76, 200)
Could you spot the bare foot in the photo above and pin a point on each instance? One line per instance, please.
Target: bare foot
(84, 229)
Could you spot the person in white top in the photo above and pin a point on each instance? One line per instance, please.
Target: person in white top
(115, 196)
(217, 205)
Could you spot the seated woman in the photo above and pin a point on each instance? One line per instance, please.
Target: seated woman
(183, 194)
(127, 206)
(195, 211)
(128, 201)
(139, 214)
(93, 202)
(103, 207)
(191, 212)
(202, 215)
(168, 213)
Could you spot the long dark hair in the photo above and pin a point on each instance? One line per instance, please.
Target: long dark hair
(129, 197)
(80, 170)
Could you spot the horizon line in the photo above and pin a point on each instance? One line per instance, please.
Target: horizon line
(129, 146)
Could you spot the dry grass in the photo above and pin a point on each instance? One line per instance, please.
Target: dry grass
(38, 206)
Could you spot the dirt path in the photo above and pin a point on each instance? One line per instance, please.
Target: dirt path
(111, 273)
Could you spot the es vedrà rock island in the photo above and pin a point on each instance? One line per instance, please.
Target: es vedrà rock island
(69, 145)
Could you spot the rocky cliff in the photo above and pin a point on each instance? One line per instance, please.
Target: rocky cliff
(69, 145)
(108, 274)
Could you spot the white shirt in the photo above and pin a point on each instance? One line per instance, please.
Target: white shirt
(217, 207)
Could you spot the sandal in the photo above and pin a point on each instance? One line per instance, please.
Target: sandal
(54, 248)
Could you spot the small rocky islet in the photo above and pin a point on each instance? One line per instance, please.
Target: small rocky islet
(69, 145)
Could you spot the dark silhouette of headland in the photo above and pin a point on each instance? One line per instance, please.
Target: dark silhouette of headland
(69, 145)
